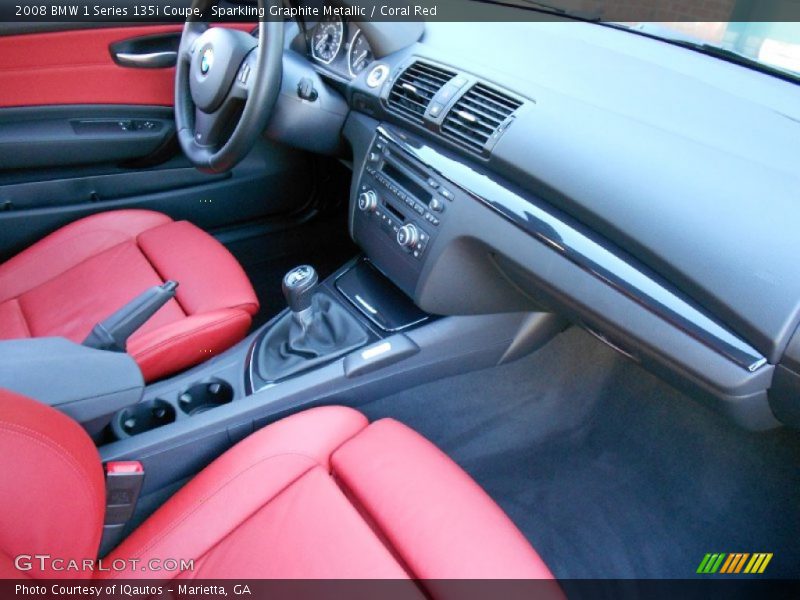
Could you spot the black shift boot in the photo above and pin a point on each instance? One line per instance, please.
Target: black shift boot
(316, 330)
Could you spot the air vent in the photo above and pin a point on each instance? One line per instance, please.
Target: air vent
(415, 87)
(477, 116)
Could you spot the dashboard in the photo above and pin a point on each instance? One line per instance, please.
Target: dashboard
(339, 46)
(615, 180)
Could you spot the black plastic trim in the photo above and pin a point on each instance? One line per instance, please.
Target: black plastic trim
(377, 298)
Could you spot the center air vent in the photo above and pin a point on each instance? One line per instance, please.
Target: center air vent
(415, 87)
(478, 116)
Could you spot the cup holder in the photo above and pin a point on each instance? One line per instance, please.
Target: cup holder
(205, 396)
(143, 417)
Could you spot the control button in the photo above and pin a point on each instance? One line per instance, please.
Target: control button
(433, 183)
(436, 109)
(363, 103)
(408, 236)
(447, 92)
(244, 74)
(368, 201)
(373, 157)
(377, 75)
(447, 194)
(419, 209)
(431, 219)
(436, 205)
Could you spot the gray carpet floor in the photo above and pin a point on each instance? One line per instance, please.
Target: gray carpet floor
(608, 471)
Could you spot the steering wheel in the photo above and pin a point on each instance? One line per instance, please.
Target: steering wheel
(221, 74)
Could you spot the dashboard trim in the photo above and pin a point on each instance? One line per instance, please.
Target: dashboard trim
(589, 254)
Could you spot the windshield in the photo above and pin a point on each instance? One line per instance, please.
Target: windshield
(773, 45)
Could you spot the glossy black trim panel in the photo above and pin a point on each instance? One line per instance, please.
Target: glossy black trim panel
(377, 298)
(592, 255)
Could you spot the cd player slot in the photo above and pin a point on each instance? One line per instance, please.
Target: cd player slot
(404, 179)
(399, 158)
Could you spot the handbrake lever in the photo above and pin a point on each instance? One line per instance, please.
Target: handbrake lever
(113, 333)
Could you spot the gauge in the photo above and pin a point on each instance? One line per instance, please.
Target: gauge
(360, 54)
(327, 39)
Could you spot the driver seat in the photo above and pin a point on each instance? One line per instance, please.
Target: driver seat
(72, 279)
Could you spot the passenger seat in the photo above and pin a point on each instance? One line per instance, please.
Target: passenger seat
(320, 494)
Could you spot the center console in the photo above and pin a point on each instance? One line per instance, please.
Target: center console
(401, 207)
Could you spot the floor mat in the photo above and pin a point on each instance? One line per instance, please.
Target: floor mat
(607, 470)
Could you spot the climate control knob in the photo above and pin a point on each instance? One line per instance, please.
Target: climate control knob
(368, 201)
(408, 236)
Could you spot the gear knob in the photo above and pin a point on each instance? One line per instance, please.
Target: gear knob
(298, 286)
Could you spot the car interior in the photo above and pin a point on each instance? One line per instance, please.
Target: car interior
(335, 298)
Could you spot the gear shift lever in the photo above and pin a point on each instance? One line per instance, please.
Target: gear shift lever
(299, 286)
(318, 329)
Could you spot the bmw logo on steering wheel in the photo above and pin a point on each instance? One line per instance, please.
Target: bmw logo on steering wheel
(206, 61)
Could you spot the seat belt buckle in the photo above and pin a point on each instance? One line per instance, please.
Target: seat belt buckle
(123, 483)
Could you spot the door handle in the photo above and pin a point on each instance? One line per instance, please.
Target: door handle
(147, 60)
(158, 51)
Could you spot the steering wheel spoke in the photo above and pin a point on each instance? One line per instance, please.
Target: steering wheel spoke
(208, 128)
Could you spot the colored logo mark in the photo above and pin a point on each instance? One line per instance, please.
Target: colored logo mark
(734, 563)
(206, 61)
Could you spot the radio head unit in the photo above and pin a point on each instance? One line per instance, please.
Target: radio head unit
(399, 207)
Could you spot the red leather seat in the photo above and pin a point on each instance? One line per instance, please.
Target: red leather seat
(321, 494)
(79, 275)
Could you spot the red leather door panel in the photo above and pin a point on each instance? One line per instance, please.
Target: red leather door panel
(75, 67)
(53, 171)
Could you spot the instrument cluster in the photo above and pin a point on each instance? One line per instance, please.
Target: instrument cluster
(339, 46)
